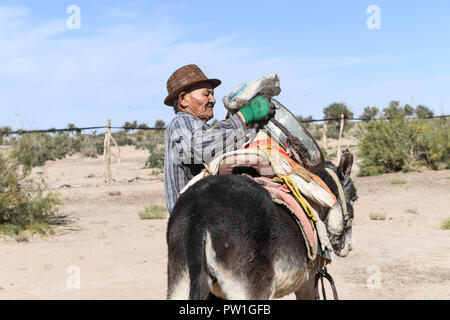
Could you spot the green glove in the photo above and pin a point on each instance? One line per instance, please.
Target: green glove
(256, 109)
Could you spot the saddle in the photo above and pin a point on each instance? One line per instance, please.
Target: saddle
(289, 184)
(272, 172)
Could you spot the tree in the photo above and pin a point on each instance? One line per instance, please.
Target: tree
(7, 130)
(73, 128)
(160, 124)
(142, 126)
(423, 112)
(394, 111)
(129, 126)
(4, 131)
(370, 113)
(305, 121)
(408, 110)
(334, 111)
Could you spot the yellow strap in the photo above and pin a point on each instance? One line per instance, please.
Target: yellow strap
(291, 185)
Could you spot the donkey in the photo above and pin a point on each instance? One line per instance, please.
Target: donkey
(227, 237)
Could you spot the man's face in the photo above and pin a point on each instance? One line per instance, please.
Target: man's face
(198, 101)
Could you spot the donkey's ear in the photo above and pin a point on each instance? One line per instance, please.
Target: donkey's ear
(345, 164)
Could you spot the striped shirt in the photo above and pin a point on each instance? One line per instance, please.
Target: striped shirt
(189, 143)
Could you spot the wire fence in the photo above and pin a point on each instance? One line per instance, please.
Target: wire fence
(75, 129)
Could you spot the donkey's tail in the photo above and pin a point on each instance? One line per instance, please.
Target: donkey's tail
(196, 259)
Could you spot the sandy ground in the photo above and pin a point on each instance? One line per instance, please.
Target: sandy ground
(117, 255)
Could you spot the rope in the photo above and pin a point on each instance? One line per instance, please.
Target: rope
(303, 173)
(22, 131)
(341, 195)
(207, 169)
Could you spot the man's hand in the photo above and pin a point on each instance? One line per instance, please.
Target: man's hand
(258, 109)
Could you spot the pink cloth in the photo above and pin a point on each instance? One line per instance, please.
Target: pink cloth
(290, 200)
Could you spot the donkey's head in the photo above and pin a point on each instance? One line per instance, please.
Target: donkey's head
(339, 219)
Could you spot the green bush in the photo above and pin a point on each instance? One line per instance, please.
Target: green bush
(122, 138)
(24, 205)
(156, 157)
(401, 145)
(35, 149)
(445, 224)
(334, 111)
(91, 145)
(154, 143)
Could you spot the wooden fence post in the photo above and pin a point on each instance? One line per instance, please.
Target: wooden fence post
(107, 153)
(340, 136)
(324, 137)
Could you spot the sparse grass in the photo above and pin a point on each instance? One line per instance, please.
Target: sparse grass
(377, 216)
(23, 236)
(445, 225)
(153, 212)
(114, 193)
(398, 181)
(156, 171)
(413, 211)
(101, 235)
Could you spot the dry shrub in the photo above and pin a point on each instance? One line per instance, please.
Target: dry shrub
(402, 145)
(24, 204)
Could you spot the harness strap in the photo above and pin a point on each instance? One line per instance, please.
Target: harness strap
(341, 195)
(324, 274)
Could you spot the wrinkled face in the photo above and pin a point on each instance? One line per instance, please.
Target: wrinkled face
(198, 101)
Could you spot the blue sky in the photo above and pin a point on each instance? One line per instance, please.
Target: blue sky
(117, 64)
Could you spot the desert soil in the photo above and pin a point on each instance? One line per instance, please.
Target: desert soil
(117, 255)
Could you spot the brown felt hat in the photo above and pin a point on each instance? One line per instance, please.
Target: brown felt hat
(184, 78)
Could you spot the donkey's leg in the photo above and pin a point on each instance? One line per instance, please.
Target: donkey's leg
(178, 283)
(178, 286)
(307, 292)
(239, 280)
(186, 280)
(244, 288)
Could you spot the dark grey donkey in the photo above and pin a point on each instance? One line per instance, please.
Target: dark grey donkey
(227, 237)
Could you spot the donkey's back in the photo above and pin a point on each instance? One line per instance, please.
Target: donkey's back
(228, 237)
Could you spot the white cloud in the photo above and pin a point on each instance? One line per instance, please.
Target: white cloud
(10, 17)
(8, 12)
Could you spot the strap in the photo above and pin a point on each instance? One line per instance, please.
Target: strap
(320, 275)
(341, 196)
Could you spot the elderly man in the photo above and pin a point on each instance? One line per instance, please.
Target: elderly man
(189, 140)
